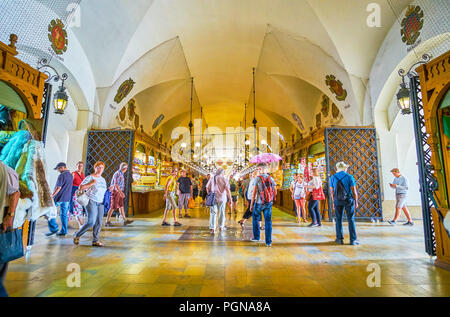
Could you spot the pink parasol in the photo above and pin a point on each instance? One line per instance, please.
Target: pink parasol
(265, 158)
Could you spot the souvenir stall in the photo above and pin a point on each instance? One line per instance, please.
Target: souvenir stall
(147, 192)
(434, 86)
(142, 153)
(323, 148)
(302, 159)
(21, 95)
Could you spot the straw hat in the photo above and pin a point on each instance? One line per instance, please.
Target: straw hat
(341, 166)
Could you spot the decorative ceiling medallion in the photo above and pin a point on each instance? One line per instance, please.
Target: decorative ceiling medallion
(131, 109)
(325, 106)
(158, 121)
(336, 87)
(58, 36)
(335, 111)
(298, 121)
(412, 24)
(123, 113)
(124, 90)
(136, 121)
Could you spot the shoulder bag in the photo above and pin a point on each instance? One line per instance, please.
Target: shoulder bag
(11, 245)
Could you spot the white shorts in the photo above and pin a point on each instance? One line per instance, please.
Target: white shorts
(400, 200)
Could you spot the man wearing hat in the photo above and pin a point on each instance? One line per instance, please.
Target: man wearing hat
(61, 196)
(400, 184)
(344, 196)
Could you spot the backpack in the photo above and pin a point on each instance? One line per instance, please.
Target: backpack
(341, 193)
(267, 190)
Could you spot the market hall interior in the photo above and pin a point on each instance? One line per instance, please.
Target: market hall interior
(201, 85)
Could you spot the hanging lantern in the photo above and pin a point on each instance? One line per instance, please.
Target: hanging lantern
(60, 99)
(403, 100)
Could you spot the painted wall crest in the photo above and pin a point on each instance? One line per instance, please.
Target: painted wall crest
(412, 24)
(57, 36)
(124, 90)
(336, 87)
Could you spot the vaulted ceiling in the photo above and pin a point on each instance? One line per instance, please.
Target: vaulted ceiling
(294, 45)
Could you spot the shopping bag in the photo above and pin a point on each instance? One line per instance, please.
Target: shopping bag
(11, 245)
(191, 203)
(318, 194)
(210, 199)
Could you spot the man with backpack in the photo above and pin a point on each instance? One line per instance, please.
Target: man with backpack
(234, 195)
(344, 196)
(262, 200)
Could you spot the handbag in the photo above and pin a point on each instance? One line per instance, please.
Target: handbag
(11, 245)
(82, 198)
(318, 194)
(211, 197)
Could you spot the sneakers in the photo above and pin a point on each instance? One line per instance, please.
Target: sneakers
(356, 242)
(187, 216)
(176, 224)
(127, 222)
(76, 240)
(313, 225)
(108, 224)
(339, 241)
(165, 224)
(254, 240)
(392, 222)
(269, 245)
(59, 234)
(49, 234)
(409, 223)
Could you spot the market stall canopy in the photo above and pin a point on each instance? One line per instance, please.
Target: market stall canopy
(10, 99)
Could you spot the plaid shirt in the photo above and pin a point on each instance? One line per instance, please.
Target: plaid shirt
(118, 179)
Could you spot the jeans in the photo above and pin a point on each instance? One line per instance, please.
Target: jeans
(95, 217)
(52, 225)
(3, 270)
(350, 211)
(64, 206)
(219, 207)
(313, 207)
(266, 209)
(74, 189)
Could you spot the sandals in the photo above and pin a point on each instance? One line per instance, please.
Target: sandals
(97, 244)
(177, 224)
(76, 240)
(165, 224)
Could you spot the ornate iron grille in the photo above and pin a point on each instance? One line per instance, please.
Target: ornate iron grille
(358, 148)
(112, 148)
(428, 184)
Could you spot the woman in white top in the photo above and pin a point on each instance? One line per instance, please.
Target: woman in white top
(298, 195)
(313, 205)
(95, 187)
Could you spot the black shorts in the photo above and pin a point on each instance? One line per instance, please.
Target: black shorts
(234, 198)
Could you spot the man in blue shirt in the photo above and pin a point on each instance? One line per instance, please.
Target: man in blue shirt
(260, 203)
(61, 196)
(344, 196)
(400, 184)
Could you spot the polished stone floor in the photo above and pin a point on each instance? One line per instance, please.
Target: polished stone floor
(146, 259)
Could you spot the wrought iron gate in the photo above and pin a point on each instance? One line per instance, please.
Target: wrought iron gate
(356, 147)
(428, 184)
(112, 148)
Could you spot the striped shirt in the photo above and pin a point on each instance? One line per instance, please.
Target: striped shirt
(118, 179)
